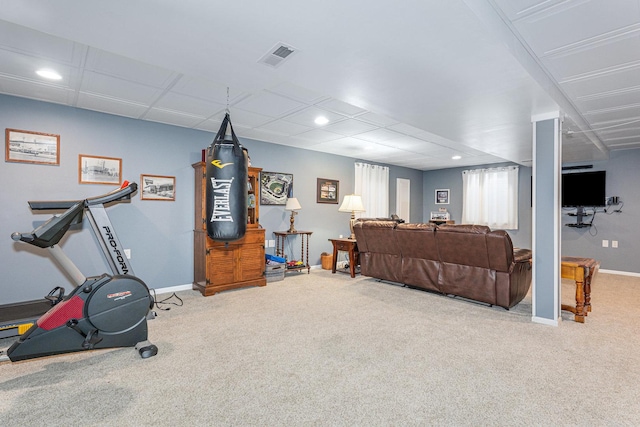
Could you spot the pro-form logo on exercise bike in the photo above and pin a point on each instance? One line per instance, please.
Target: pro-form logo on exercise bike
(119, 295)
(116, 251)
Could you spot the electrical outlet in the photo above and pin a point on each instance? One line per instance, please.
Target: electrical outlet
(127, 253)
(614, 243)
(271, 243)
(605, 243)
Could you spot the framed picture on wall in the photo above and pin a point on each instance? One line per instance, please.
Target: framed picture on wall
(24, 146)
(442, 196)
(158, 187)
(99, 170)
(327, 191)
(275, 188)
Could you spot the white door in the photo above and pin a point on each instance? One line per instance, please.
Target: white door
(403, 198)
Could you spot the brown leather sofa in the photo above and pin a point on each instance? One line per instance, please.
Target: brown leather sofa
(470, 261)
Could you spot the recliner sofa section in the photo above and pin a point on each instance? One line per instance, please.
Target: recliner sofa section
(470, 261)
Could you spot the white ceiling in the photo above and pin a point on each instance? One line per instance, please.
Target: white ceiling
(408, 83)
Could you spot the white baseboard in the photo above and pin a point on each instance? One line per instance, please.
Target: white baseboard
(172, 289)
(621, 273)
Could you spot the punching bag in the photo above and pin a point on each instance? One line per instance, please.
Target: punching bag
(226, 182)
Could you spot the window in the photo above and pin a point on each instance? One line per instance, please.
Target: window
(372, 183)
(490, 197)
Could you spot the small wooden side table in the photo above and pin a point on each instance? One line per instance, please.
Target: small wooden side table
(347, 245)
(581, 270)
(281, 236)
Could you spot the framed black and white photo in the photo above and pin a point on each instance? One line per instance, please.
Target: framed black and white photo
(158, 187)
(442, 196)
(23, 146)
(99, 170)
(275, 188)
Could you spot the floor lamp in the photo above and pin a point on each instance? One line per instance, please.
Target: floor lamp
(352, 203)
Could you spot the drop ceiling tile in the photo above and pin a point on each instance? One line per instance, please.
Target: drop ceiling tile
(207, 90)
(128, 69)
(318, 135)
(118, 88)
(377, 119)
(110, 105)
(616, 81)
(340, 107)
(307, 116)
(377, 135)
(405, 129)
(269, 104)
(574, 23)
(242, 118)
(187, 104)
(610, 100)
(612, 116)
(284, 128)
(24, 67)
(298, 93)
(518, 9)
(349, 127)
(35, 43)
(599, 59)
(173, 118)
(39, 91)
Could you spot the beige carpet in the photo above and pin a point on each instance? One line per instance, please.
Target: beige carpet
(323, 349)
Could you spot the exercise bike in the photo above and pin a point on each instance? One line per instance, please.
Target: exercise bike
(102, 311)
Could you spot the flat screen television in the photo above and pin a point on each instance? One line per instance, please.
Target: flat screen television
(584, 189)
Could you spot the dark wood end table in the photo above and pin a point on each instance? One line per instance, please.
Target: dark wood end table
(347, 245)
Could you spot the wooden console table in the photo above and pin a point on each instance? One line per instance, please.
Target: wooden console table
(581, 270)
(281, 236)
(347, 245)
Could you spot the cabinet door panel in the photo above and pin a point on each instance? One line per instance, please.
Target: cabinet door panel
(220, 266)
(252, 262)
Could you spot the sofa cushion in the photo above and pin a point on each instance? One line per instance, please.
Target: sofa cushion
(463, 244)
(384, 260)
(420, 263)
(500, 250)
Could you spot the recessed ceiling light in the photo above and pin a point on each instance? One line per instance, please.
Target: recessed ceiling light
(49, 74)
(456, 157)
(321, 120)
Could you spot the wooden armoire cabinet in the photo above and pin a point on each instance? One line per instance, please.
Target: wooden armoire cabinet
(218, 266)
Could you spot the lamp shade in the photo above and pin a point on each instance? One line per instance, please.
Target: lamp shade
(292, 204)
(351, 203)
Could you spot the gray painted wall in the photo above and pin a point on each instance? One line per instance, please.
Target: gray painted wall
(452, 179)
(623, 178)
(159, 234)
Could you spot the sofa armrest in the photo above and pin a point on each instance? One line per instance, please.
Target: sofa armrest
(522, 255)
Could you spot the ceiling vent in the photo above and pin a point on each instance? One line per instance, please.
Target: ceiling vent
(277, 54)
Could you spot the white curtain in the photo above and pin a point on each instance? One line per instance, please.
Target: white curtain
(490, 197)
(372, 183)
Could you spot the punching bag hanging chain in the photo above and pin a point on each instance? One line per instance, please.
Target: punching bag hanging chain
(227, 110)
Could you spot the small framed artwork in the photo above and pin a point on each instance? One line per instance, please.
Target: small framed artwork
(327, 191)
(442, 196)
(158, 187)
(99, 170)
(275, 188)
(24, 146)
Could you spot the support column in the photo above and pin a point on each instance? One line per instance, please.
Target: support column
(547, 169)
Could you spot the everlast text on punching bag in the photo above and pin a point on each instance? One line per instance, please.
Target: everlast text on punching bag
(226, 182)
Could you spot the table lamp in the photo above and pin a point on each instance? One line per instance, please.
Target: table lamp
(352, 203)
(292, 205)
